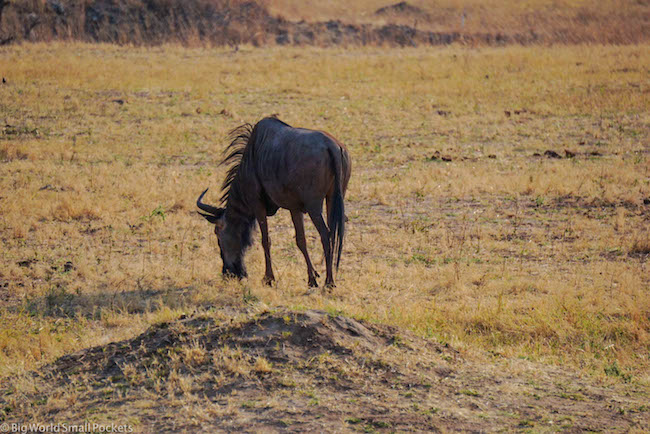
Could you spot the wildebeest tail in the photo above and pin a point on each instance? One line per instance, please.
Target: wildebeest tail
(336, 219)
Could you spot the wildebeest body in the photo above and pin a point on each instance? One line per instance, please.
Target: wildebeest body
(277, 166)
(296, 168)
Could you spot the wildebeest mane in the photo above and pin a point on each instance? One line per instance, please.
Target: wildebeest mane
(243, 140)
(240, 137)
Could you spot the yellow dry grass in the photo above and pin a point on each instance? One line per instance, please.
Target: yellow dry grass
(104, 149)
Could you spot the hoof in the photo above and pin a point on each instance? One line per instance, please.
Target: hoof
(329, 285)
(312, 283)
(268, 281)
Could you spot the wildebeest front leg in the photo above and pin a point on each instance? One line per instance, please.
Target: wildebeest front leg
(317, 218)
(266, 243)
(298, 224)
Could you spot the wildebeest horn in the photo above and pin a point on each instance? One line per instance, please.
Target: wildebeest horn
(214, 211)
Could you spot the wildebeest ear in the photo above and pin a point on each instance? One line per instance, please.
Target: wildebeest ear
(212, 219)
(217, 218)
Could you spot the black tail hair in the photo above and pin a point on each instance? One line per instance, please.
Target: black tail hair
(336, 219)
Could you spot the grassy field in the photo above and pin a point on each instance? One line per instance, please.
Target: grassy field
(462, 227)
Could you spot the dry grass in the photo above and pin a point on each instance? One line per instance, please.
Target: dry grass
(501, 253)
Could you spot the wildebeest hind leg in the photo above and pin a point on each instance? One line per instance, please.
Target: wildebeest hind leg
(321, 227)
(301, 242)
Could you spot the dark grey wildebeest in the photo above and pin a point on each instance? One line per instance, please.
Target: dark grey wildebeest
(277, 166)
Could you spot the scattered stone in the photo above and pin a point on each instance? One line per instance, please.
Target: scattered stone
(443, 112)
(437, 156)
(508, 113)
(26, 262)
(492, 156)
(50, 187)
(552, 154)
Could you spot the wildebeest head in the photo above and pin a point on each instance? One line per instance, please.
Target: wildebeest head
(233, 237)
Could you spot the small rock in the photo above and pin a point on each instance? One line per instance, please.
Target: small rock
(439, 157)
(552, 154)
(492, 156)
(26, 262)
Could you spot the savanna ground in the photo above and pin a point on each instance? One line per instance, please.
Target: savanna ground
(492, 284)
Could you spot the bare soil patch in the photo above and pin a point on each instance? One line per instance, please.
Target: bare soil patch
(311, 370)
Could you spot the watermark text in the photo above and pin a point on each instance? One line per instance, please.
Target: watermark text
(63, 427)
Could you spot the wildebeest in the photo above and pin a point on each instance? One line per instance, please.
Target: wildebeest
(277, 166)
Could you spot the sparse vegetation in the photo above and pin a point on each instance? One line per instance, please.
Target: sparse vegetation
(501, 255)
(290, 22)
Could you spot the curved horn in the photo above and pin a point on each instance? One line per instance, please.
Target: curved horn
(205, 207)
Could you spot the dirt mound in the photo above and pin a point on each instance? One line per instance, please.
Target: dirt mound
(402, 9)
(284, 337)
(308, 371)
